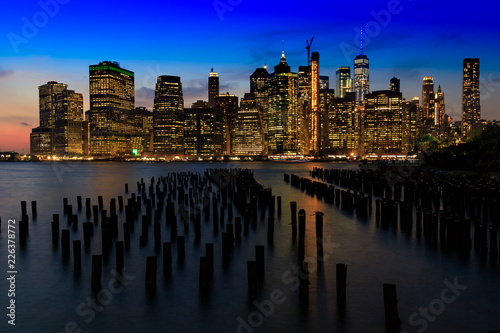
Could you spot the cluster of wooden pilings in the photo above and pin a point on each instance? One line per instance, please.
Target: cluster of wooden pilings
(439, 207)
(164, 212)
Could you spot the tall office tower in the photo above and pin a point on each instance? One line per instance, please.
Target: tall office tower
(471, 107)
(324, 82)
(228, 105)
(314, 118)
(428, 98)
(68, 123)
(344, 126)
(283, 118)
(247, 135)
(395, 85)
(112, 95)
(203, 131)
(361, 74)
(383, 120)
(409, 126)
(343, 81)
(304, 108)
(439, 111)
(47, 93)
(168, 121)
(326, 99)
(213, 87)
(259, 86)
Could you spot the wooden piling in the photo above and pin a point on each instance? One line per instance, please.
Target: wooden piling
(181, 252)
(260, 263)
(96, 271)
(167, 259)
(65, 243)
(151, 267)
(341, 283)
(391, 306)
(77, 255)
(120, 255)
(319, 235)
(252, 278)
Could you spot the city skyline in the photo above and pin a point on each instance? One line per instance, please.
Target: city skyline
(235, 52)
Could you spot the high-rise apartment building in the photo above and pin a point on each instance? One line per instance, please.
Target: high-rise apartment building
(471, 106)
(344, 126)
(228, 105)
(168, 112)
(247, 134)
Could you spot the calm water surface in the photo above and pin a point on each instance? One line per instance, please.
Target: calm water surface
(49, 293)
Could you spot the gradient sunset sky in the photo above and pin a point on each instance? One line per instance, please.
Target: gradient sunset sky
(52, 40)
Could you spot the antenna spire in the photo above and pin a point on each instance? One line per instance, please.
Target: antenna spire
(361, 42)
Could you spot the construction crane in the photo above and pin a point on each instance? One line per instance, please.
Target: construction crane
(308, 47)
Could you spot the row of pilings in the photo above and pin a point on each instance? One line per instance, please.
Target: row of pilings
(452, 213)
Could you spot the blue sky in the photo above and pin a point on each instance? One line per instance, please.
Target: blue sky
(57, 40)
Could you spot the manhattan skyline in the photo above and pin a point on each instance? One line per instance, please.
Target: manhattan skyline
(401, 39)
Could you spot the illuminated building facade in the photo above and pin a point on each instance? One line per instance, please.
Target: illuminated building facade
(344, 125)
(324, 82)
(41, 141)
(228, 105)
(410, 124)
(112, 96)
(343, 81)
(439, 112)
(203, 131)
(326, 100)
(247, 134)
(213, 87)
(471, 107)
(168, 113)
(361, 77)
(68, 124)
(259, 86)
(428, 98)
(314, 118)
(283, 117)
(383, 123)
(47, 94)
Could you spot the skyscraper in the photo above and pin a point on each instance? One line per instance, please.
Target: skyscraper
(112, 96)
(361, 74)
(168, 121)
(395, 85)
(228, 105)
(471, 107)
(213, 87)
(314, 118)
(383, 123)
(203, 131)
(439, 111)
(343, 81)
(47, 94)
(247, 133)
(283, 120)
(343, 125)
(428, 97)
(259, 86)
(68, 123)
